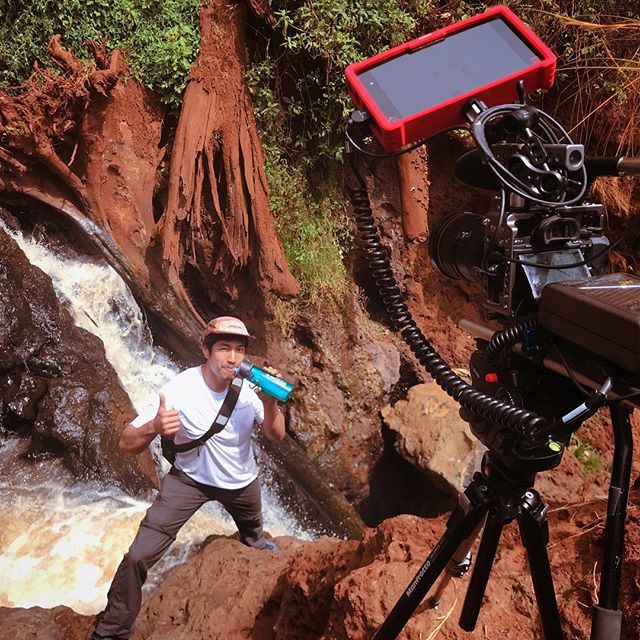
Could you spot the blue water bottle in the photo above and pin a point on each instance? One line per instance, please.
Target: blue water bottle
(270, 384)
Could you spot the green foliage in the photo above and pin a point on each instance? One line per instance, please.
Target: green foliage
(296, 78)
(163, 49)
(586, 454)
(313, 228)
(161, 37)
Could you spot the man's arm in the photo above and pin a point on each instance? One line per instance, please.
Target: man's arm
(273, 425)
(135, 440)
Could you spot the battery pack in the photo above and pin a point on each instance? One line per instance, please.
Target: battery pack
(600, 314)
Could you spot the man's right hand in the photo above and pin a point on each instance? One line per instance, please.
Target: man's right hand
(167, 421)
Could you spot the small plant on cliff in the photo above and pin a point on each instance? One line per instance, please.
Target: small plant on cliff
(313, 227)
(586, 454)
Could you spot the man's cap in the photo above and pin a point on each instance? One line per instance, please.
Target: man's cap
(226, 325)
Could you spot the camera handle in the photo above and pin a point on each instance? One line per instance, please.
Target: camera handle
(541, 164)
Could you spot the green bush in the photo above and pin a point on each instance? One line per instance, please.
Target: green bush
(161, 37)
(296, 75)
(297, 70)
(313, 227)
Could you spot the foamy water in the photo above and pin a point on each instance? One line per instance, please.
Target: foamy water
(101, 303)
(62, 546)
(60, 542)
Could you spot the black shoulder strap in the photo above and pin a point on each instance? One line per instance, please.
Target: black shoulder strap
(221, 419)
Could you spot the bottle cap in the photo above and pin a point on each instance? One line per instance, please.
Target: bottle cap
(243, 368)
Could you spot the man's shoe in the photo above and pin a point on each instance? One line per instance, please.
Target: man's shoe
(96, 636)
(269, 546)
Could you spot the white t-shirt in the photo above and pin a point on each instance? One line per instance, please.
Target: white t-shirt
(226, 459)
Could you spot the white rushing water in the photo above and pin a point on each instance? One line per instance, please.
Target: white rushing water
(60, 542)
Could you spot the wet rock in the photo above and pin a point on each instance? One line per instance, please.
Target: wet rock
(58, 390)
(25, 396)
(314, 497)
(60, 623)
(344, 368)
(385, 359)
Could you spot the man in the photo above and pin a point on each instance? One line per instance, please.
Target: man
(222, 468)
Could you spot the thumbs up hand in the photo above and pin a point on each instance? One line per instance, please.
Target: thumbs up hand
(167, 421)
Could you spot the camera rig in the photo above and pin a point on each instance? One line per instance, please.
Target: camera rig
(569, 343)
(537, 230)
(541, 253)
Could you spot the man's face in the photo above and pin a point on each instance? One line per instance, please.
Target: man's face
(225, 355)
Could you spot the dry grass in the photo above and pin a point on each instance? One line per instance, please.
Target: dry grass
(601, 94)
(283, 313)
(616, 194)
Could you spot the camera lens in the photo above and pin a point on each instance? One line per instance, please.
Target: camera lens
(456, 246)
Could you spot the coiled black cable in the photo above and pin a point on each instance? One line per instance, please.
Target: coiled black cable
(503, 340)
(488, 407)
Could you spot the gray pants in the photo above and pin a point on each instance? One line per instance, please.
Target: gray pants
(179, 498)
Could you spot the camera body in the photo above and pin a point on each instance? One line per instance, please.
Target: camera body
(510, 251)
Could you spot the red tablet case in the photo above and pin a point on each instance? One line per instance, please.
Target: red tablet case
(395, 134)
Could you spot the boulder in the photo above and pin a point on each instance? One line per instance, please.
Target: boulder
(432, 436)
(58, 392)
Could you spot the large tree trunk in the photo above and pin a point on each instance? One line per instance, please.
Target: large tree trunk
(86, 144)
(217, 212)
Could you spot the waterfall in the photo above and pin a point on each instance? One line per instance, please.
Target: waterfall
(60, 541)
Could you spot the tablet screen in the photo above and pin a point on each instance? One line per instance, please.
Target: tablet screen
(453, 66)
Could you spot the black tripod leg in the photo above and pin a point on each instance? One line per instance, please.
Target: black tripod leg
(607, 619)
(480, 576)
(534, 531)
(456, 567)
(470, 511)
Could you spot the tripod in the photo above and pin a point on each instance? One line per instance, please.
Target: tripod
(496, 496)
